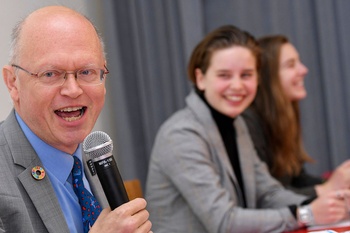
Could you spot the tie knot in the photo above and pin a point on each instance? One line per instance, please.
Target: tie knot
(77, 170)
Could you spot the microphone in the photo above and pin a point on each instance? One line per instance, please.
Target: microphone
(98, 148)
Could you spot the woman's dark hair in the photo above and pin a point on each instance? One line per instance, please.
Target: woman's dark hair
(221, 38)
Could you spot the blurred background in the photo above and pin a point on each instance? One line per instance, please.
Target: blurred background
(148, 44)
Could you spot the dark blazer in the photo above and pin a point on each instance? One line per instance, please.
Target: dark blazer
(28, 205)
(191, 186)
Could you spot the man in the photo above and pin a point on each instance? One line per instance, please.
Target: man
(56, 79)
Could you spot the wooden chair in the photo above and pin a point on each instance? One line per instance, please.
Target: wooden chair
(133, 188)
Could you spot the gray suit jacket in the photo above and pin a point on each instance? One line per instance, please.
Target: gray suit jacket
(28, 205)
(191, 185)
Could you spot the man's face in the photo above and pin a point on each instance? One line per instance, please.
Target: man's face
(61, 116)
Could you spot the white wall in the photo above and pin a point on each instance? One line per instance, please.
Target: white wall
(11, 11)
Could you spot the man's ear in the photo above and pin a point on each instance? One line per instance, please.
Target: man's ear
(10, 80)
(199, 79)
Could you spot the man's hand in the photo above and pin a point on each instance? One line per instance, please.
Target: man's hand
(131, 217)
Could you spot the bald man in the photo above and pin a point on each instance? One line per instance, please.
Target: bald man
(56, 79)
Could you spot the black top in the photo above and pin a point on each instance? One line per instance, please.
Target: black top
(228, 135)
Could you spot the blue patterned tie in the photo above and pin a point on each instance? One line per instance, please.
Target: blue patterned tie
(90, 208)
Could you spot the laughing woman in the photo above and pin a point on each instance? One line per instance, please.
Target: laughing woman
(204, 174)
(274, 120)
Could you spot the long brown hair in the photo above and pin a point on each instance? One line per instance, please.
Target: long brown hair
(280, 115)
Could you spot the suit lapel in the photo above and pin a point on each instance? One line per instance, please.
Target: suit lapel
(245, 158)
(203, 114)
(44, 199)
(40, 192)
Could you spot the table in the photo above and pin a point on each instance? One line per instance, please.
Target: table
(337, 229)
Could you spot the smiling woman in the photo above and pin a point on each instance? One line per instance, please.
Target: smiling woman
(274, 120)
(292, 73)
(230, 84)
(204, 174)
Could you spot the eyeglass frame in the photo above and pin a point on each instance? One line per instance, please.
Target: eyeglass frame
(75, 73)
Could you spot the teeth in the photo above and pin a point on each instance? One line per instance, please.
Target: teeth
(300, 83)
(71, 118)
(70, 109)
(235, 98)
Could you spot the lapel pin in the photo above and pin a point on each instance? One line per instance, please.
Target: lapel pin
(38, 173)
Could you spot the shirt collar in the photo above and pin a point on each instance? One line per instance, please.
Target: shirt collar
(218, 116)
(57, 162)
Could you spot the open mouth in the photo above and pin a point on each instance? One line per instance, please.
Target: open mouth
(299, 83)
(71, 114)
(234, 98)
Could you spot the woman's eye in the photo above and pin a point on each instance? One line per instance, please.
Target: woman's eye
(246, 75)
(225, 76)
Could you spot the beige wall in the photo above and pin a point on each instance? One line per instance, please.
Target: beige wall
(11, 11)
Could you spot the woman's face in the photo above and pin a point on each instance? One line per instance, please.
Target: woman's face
(231, 80)
(292, 73)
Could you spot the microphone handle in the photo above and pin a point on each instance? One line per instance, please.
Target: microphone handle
(111, 181)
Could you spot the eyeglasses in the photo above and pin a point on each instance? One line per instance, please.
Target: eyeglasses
(84, 77)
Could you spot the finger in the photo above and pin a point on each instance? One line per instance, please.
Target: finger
(347, 204)
(131, 207)
(345, 193)
(104, 213)
(339, 195)
(141, 217)
(346, 163)
(342, 205)
(145, 227)
(137, 204)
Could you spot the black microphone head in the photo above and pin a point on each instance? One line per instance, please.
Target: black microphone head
(97, 144)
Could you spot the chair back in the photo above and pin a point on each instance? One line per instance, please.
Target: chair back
(133, 188)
